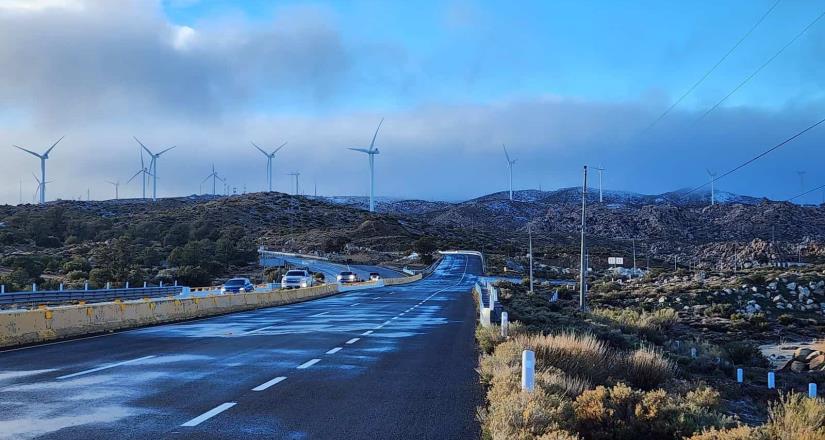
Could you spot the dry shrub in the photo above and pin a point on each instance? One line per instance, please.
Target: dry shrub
(621, 412)
(738, 433)
(514, 414)
(505, 359)
(797, 417)
(559, 435)
(647, 324)
(647, 368)
(488, 338)
(578, 355)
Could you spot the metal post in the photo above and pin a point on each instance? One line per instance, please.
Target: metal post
(582, 262)
(634, 258)
(530, 241)
(528, 370)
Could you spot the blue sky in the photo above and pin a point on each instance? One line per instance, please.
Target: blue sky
(561, 82)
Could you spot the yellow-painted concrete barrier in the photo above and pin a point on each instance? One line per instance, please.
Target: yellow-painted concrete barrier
(18, 327)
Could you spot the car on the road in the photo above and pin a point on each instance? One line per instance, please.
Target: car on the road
(297, 278)
(238, 285)
(347, 277)
(375, 276)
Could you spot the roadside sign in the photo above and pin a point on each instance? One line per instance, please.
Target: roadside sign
(618, 261)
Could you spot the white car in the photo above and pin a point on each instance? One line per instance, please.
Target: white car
(295, 279)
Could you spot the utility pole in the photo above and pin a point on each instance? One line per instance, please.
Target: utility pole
(582, 263)
(634, 258)
(530, 246)
(675, 259)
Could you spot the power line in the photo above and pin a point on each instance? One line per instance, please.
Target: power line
(805, 193)
(759, 69)
(712, 69)
(761, 155)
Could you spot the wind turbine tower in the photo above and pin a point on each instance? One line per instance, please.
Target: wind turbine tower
(42, 181)
(600, 170)
(116, 184)
(510, 164)
(214, 176)
(269, 158)
(153, 167)
(712, 176)
(371, 152)
(40, 185)
(144, 171)
(296, 174)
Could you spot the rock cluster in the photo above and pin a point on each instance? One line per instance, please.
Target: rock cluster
(797, 296)
(805, 359)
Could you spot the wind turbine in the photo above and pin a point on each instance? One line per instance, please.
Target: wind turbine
(600, 170)
(153, 166)
(40, 185)
(510, 164)
(269, 158)
(116, 184)
(371, 152)
(42, 158)
(143, 170)
(214, 176)
(712, 176)
(296, 174)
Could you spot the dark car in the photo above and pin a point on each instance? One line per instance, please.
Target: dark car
(347, 277)
(238, 285)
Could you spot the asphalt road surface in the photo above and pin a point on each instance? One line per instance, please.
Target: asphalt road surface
(387, 363)
(331, 270)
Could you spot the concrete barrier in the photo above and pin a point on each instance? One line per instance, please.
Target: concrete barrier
(19, 327)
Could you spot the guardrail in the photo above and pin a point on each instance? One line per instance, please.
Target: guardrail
(58, 297)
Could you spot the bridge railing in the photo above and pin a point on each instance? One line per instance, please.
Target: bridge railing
(75, 296)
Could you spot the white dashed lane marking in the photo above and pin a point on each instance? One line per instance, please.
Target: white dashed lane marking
(353, 340)
(368, 332)
(268, 384)
(335, 350)
(308, 364)
(105, 367)
(209, 414)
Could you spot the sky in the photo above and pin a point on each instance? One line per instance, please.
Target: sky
(561, 83)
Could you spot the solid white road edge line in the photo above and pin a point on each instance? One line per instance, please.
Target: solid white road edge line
(105, 367)
(209, 414)
(308, 364)
(268, 384)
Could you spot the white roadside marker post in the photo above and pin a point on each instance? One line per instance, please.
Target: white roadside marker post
(34, 287)
(528, 370)
(812, 390)
(505, 324)
(771, 380)
(740, 375)
(61, 287)
(86, 285)
(127, 285)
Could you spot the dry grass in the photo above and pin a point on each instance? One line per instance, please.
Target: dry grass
(797, 417)
(738, 433)
(647, 368)
(578, 355)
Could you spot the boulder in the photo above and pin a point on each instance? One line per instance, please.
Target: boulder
(777, 298)
(798, 367)
(791, 286)
(801, 353)
(811, 356)
(817, 363)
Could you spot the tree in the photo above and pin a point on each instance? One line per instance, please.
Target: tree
(425, 246)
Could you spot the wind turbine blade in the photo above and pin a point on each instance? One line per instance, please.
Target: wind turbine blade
(27, 151)
(144, 146)
(372, 144)
(136, 174)
(53, 145)
(207, 178)
(260, 149)
(361, 150)
(506, 154)
(35, 178)
(279, 148)
(166, 150)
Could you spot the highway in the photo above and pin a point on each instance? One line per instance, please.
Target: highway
(331, 270)
(386, 363)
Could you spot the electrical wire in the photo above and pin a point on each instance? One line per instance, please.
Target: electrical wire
(712, 69)
(805, 193)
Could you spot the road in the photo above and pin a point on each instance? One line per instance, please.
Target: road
(386, 363)
(331, 270)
